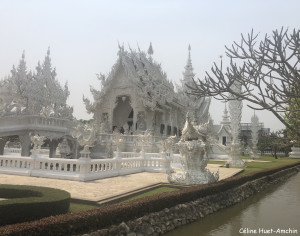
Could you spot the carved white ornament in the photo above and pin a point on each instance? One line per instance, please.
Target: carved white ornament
(254, 135)
(235, 109)
(193, 159)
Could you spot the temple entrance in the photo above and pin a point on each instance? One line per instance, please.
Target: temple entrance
(123, 113)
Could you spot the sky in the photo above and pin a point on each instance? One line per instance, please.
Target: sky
(83, 37)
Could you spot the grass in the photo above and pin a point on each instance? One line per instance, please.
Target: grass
(152, 192)
(217, 162)
(272, 162)
(76, 207)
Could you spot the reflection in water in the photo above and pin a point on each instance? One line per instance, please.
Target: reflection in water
(276, 208)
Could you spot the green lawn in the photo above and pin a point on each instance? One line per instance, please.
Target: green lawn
(217, 162)
(75, 207)
(152, 192)
(258, 166)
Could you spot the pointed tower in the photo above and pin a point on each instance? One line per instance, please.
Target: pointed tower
(19, 77)
(150, 50)
(188, 74)
(226, 119)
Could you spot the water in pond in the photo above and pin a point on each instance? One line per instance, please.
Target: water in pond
(273, 209)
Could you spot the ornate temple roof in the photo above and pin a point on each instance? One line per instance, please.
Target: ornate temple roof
(34, 93)
(150, 81)
(151, 85)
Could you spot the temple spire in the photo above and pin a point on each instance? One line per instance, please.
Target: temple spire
(188, 74)
(150, 50)
(225, 120)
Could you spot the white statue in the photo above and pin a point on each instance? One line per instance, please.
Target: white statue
(37, 142)
(144, 139)
(193, 159)
(85, 136)
(117, 139)
(64, 148)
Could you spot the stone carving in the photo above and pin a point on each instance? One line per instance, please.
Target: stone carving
(104, 126)
(126, 128)
(235, 109)
(193, 159)
(117, 140)
(37, 142)
(109, 150)
(64, 148)
(86, 137)
(144, 140)
(141, 123)
(254, 134)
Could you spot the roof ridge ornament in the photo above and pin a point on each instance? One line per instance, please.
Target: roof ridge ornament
(150, 50)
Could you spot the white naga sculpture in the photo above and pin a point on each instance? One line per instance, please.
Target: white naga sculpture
(235, 109)
(193, 158)
(86, 137)
(254, 134)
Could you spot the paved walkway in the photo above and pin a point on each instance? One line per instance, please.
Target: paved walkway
(98, 190)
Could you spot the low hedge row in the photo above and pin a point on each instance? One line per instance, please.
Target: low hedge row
(25, 203)
(104, 216)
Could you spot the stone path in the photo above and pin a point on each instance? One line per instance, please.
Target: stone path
(98, 190)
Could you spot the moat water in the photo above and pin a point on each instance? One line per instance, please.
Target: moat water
(275, 211)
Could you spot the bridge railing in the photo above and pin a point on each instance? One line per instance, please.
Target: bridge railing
(82, 169)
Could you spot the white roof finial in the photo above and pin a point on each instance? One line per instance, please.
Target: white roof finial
(150, 50)
(23, 55)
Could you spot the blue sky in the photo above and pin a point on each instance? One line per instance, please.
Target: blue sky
(84, 35)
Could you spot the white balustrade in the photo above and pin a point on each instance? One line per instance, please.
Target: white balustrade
(83, 169)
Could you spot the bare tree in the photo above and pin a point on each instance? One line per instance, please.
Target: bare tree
(267, 70)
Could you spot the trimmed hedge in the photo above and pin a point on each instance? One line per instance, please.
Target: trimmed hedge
(25, 203)
(107, 215)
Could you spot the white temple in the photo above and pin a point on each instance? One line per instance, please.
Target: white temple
(138, 96)
(138, 118)
(34, 103)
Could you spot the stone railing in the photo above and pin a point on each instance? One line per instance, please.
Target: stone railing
(83, 169)
(129, 138)
(12, 150)
(129, 154)
(18, 150)
(271, 153)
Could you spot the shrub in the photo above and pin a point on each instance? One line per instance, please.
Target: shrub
(27, 203)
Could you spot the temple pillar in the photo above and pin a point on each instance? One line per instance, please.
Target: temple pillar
(52, 147)
(3, 141)
(110, 119)
(75, 149)
(25, 141)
